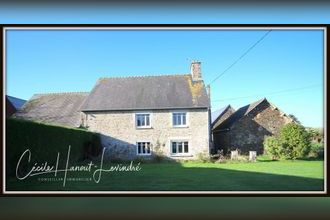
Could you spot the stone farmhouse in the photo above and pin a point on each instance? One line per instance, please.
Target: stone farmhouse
(136, 116)
(246, 128)
(167, 115)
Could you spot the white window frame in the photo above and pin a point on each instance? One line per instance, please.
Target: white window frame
(142, 113)
(180, 126)
(143, 154)
(183, 153)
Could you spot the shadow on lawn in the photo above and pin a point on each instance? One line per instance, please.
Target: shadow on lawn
(178, 177)
(222, 179)
(299, 159)
(169, 176)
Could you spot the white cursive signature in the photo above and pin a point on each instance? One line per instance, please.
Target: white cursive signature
(45, 168)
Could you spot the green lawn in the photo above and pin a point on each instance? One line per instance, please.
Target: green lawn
(262, 175)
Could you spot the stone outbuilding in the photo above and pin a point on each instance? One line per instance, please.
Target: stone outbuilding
(217, 118)
(246, 128)
(220, 115)
(13, 104)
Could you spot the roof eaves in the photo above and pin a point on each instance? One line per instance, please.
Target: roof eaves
(139, 109)
(221, 114)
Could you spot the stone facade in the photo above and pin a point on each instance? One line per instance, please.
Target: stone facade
(248, 133)
(120, 135)
(110, 110)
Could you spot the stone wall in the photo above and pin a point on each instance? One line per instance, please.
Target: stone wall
(119, 133)
(249, 132)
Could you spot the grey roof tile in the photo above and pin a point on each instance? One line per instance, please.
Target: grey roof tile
(240, 113)
(16, 102)
(147, 92)
(221, 115)
(217, 113)
(54, 108)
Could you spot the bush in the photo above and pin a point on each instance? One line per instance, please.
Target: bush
(272, 147)
(317, 150)
(202, 157)
(292, 142)
(316, 134)
(158, 154)
(295, 141)
(45, 141)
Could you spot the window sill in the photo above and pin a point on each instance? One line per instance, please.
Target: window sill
(186, 126)
(143, 128)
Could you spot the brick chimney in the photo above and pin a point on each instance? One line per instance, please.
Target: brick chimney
(195, 70)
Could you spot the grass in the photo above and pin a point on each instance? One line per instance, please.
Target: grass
(298, 175)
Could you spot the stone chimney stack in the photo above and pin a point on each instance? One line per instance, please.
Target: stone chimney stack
(195, 70)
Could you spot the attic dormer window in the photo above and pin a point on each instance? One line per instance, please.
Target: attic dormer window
(142, 120)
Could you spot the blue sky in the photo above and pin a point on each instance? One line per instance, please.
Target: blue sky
(62, 61)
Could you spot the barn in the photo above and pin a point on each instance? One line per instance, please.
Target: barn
(246, 128)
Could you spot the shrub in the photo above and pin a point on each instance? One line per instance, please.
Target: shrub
(272, 147)
(45, 141)
(202, 157)
(158, 155)
(317, 150)
(292, 142)
(316, 134)
(295, 141)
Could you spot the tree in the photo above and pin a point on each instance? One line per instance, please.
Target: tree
(316, 134)
(294, 118)
(292, 142)
(272, 147)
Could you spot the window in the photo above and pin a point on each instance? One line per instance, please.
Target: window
(180, 119)
(142, 120)
(179, 147)
(143, 148)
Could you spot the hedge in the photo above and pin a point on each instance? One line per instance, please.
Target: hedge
(45, 141)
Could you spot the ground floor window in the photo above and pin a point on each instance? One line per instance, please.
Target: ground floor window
(143, 148)
(179, 147)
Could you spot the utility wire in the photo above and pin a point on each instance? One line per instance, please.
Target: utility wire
(243, 55)
(270, 93)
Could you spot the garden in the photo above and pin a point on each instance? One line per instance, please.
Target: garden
(292, 162)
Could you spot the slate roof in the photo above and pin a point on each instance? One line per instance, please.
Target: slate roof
(147, 92)
(221, 115)
(218, 113)
(240, 113)
(54, 108)
(16, 102)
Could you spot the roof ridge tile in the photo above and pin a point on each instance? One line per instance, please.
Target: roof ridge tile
(145, 76)
(60, 93)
